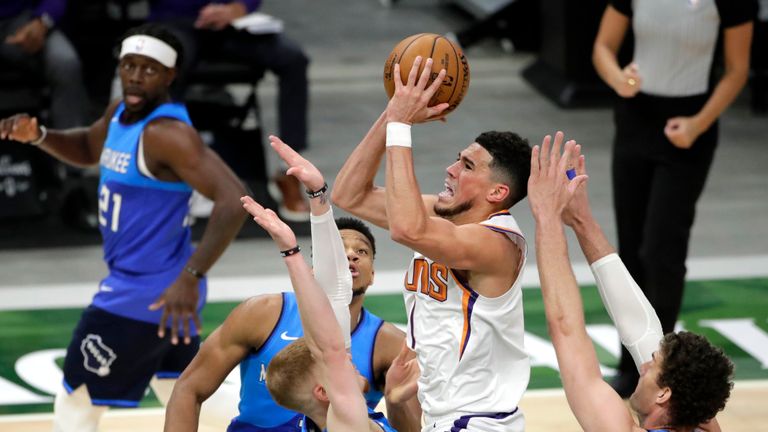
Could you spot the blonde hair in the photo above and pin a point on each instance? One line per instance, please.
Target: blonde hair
(288, 371)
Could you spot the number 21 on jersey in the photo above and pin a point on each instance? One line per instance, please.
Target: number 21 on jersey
(104, 207)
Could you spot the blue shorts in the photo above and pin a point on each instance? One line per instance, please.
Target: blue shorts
(116, 357)
(292, 425)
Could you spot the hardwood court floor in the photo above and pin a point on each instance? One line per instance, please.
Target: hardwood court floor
(545, 411)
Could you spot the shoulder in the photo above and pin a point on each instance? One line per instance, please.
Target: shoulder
(167, 128)
(389, 340)
(254, 318)
(736, 12)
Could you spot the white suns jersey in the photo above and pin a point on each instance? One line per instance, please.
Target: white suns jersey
(469, 347)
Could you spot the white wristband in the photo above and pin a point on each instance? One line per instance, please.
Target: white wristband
(398, 135)
(41, 138)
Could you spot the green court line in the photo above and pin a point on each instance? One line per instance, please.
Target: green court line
(33, 330)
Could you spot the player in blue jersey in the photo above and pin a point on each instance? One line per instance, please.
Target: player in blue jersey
(315, 374)
(684, 379)
(260, 327)
(151, 158)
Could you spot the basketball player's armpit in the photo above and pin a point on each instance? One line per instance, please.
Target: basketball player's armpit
(634, 317)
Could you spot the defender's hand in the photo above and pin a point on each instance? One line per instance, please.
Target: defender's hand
(20, 127)
(298, 167)
(179, 303)
(402, 376)
(549, 188)
(280, 232)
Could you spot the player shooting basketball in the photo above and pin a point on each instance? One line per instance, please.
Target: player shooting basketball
(469, 254)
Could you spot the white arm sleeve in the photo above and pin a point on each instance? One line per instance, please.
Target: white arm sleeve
(331, 269)
(638, 325)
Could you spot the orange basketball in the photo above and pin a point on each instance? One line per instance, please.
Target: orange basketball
(445, 55)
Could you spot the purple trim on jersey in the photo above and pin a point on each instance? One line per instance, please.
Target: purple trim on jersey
(410, 325)
(470, 305)
(473, 295)
(463, 421)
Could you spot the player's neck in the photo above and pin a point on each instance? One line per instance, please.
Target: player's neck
(476, 214)
(658, 419)
(355, 310)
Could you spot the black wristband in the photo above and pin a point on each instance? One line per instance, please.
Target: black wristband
(319, 192)
(194, 272)
(292, 251)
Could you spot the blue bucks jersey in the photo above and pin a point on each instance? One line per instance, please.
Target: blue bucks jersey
(258, 412)
(143, 222)
(308, 426)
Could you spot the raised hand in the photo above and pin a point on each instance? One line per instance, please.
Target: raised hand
(549, 188)
(578, 208)
(402, 376)
(410, 102)
(280, 232)
(20, 127)
(298, 167)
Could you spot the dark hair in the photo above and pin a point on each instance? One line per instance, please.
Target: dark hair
(511, 162)
(700, 376)
(160, 32)
(357, 225)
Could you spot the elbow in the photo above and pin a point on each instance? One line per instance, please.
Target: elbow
(344, 200)
(339, 200)
(404, 234)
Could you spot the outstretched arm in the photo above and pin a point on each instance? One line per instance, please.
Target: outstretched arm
(77, 146)
(596, 406)
(636, 321)
(323, 334)
(329, 259)
(221, 352)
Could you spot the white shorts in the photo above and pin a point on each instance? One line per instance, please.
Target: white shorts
(496, 422)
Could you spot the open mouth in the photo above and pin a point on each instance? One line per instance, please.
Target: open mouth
(354, 271)
(133, 96)
(448, 192)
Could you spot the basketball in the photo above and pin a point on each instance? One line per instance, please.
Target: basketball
(445, 55)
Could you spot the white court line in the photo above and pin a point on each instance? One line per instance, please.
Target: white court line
(221, 289)
(137, 412)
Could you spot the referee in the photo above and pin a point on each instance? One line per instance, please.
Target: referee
(666, 131)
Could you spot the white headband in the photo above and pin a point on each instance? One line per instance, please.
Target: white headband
(150, 47)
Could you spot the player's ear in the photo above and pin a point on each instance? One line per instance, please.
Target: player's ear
(319, 393)
(663, 395)
(171, 76)
(499, 193)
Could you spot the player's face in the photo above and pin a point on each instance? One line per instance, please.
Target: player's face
(360, 256)
(647, 390)
(468, 181)
(145, 82)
